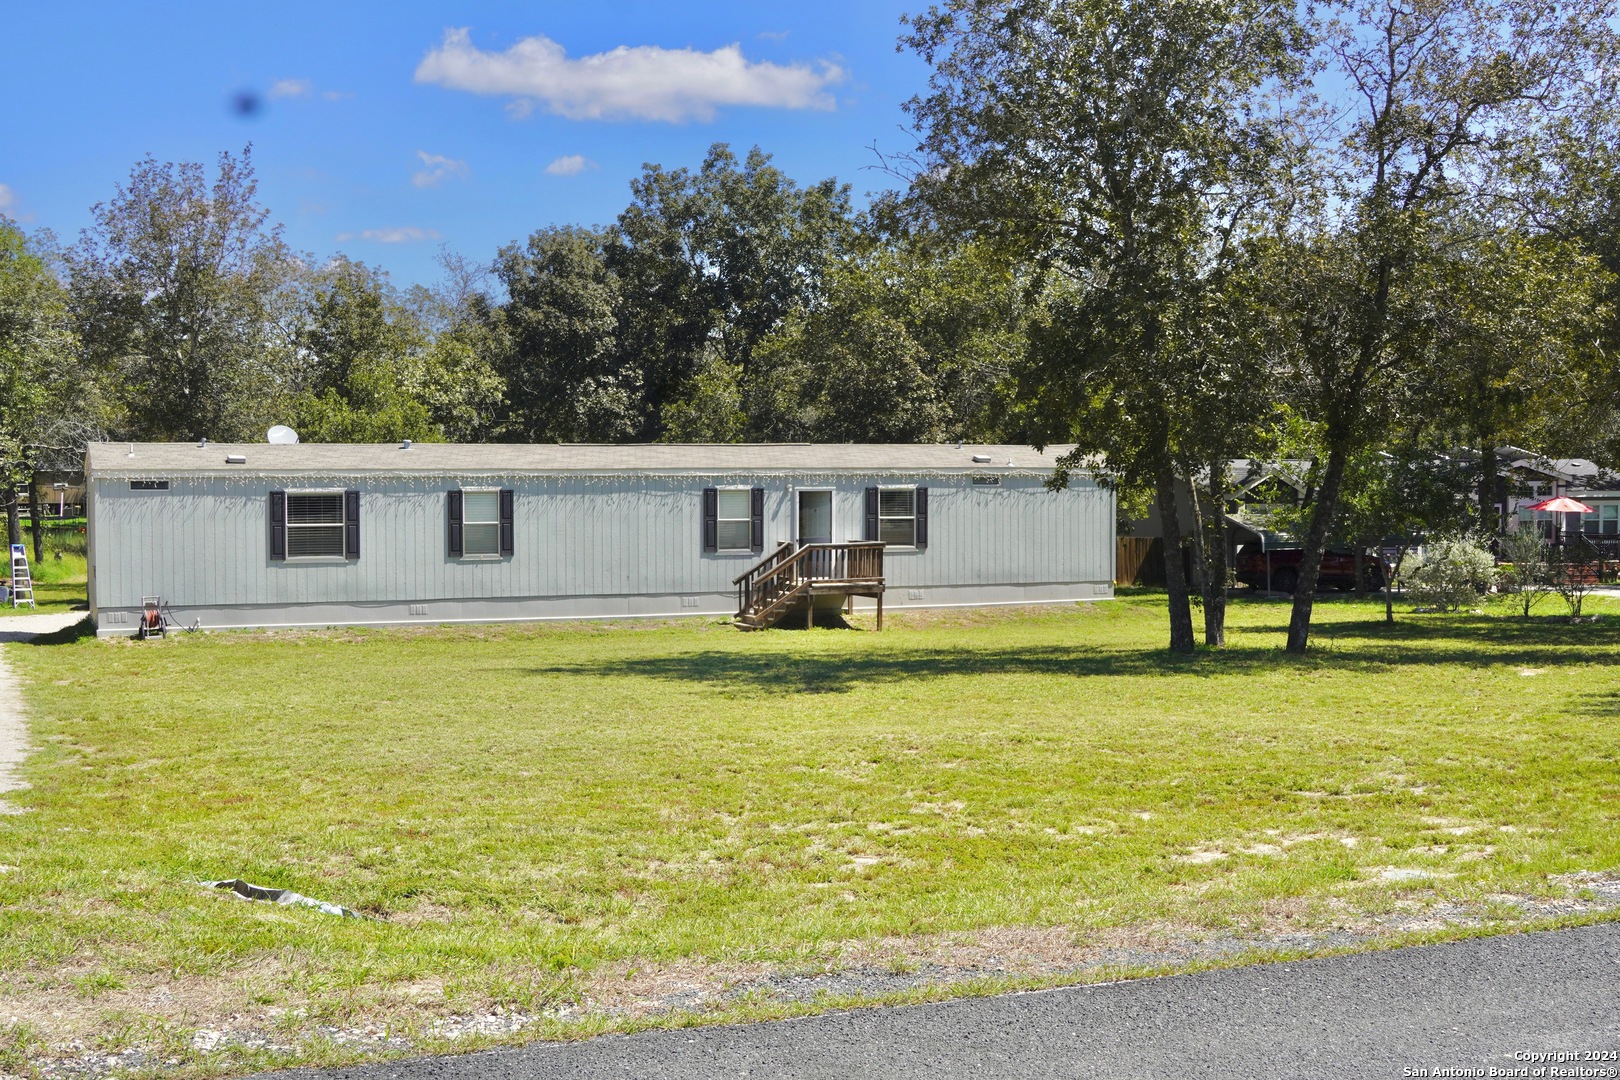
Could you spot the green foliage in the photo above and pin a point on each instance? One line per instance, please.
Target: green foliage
(1454, 572)
(40, 380)
(178, 288)
(1385, 268)
(1114, 147)
(1525, 573)
(557, 336)
(911, 341)
(360, 360)
(1572, 570)
(716, 258)
(711, 410)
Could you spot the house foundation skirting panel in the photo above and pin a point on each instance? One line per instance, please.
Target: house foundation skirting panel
(944, 596)
(115, 622)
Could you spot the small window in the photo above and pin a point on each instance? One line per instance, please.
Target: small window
(987, 481)
(149, 485)
(733, 520)
(481, 522)
(897, 516)
(315, 525)
(1611, 518)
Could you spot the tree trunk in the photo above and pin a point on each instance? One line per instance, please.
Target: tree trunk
(1391, 567)
(13, 521)
(1310, 562)
(1175, 573)
(1490, 522)
(1212, 531)
(1389, 591)
(35, 520)
(1361, 572)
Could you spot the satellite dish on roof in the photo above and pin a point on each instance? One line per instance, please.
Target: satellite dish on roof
(282, 435)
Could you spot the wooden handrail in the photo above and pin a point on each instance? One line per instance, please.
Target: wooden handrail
(784, 546)
(784, 569)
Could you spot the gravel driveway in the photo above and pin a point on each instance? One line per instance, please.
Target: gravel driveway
(13, 727)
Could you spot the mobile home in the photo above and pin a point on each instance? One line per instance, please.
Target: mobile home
(260, 535)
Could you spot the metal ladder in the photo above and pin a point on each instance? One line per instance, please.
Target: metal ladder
(22, 582)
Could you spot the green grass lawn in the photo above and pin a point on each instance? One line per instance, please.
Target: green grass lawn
(524, 809)
(59, 584)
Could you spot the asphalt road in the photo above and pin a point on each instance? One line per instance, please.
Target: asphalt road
(1467, 1005)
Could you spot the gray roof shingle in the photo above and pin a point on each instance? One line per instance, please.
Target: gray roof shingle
(348, 459)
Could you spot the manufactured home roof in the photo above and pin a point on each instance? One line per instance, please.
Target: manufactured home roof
(162, 459)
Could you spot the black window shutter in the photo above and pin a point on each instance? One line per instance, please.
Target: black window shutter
(507, 532)
(351, 524)
(871, 513)
(922, 517)
(455, 522)
(756, 507)
(711, 514)
(278, 524)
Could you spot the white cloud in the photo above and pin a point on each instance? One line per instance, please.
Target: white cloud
(641, 83)
(283, 88)
(571, 165)
(8, 198)
(407, 234)
(437, 168)
(773, 35)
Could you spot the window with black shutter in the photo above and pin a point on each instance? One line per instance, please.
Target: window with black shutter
(480, 523)
(711, 524)
(453, 510)
(314, 525)
(508, 529)
(897, 517)
(922, 517)
(351, 524)
(734, 529)
(278, 524)
(756, 515)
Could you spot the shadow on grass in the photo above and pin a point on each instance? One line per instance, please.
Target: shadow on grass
(85, 627)
(1361, 646)
(1602, 703)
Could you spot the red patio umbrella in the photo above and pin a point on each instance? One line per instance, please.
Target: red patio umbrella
(1563, 504)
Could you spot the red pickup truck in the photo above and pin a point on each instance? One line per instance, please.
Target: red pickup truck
(1338, 569)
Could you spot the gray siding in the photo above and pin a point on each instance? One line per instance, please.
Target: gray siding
(203, 545)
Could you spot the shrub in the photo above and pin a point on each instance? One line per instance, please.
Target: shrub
(1526, 574)
(1572, 570)
(1454, 572)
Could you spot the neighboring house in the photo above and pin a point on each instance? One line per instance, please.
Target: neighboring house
(1529, 478)
(1259, 490)
(266, 535)
(59, 494)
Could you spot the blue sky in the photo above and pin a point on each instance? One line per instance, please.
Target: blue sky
(386, 130)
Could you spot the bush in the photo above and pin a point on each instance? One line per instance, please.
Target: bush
(1525, 576)
(1454, 572)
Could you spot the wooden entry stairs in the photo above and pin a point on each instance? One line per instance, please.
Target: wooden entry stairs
(790, 579)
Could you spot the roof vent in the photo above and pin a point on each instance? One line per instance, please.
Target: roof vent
(981, 459)
(202, 442)
(236, 459)
(281, 435)
(404, 444)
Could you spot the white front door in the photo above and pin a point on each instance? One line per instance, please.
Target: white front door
(815, 517)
